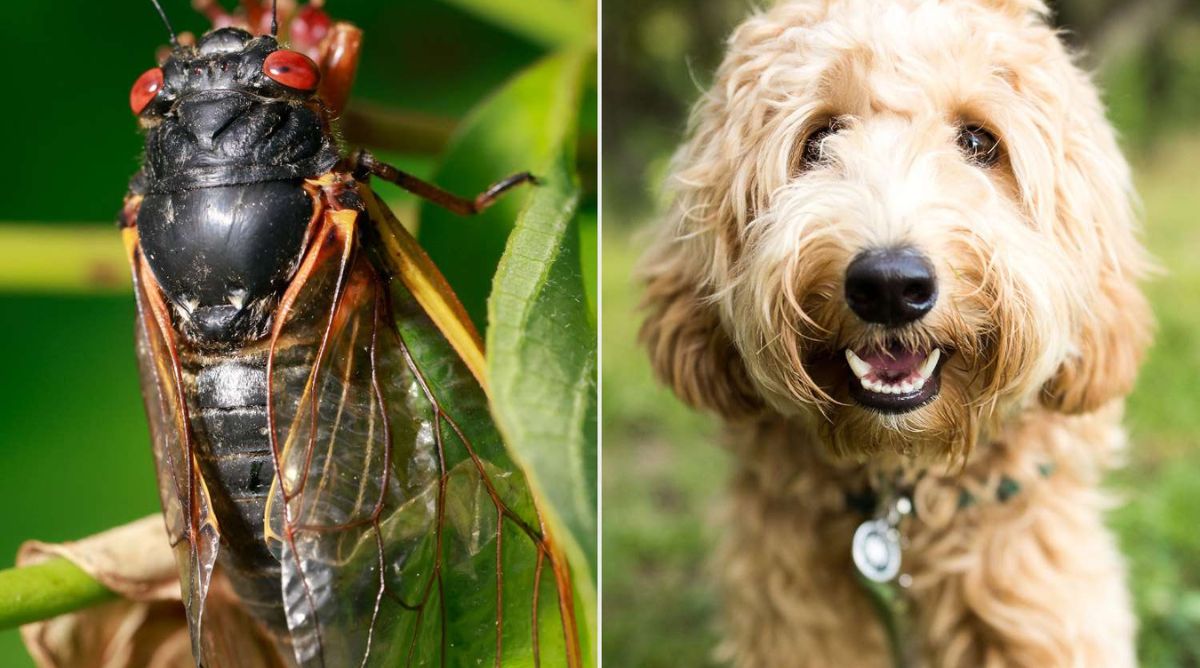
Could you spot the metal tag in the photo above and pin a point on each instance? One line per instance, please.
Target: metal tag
(876, 550)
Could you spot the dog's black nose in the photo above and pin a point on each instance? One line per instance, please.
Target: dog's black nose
(891, 287)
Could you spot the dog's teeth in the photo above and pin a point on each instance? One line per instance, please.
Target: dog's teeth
(857, 365)
(913, 383)
(930, 364)
(908, 386)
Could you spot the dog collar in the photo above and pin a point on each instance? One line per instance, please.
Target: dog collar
(878, 545)
(868, 502)
(876, 551)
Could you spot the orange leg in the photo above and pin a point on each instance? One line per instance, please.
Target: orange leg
(364, 164)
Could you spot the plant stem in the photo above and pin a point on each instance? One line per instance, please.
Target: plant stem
(49, 589)
(62, 259)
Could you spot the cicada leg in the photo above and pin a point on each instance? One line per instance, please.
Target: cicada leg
(364, 163)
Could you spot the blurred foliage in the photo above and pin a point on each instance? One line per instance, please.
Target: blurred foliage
(664, 470)
(74, 451)
(663, 478)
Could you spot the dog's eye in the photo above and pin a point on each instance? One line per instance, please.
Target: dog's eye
(979, 145)
(812, 154)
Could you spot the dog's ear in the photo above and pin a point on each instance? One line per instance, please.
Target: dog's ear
(1094, 207)
(688, 346)
(1108, 351)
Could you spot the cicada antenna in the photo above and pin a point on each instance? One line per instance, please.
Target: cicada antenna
(274, 18)
(163, 15)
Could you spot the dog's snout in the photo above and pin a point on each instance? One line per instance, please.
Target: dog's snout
(891, 287)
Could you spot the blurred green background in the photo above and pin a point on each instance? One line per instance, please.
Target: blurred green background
(74, 450)
(663, 472)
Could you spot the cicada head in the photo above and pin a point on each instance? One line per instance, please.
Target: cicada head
(225, 60)
(232, 108)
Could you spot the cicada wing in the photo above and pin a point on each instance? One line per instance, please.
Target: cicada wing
(405, 260)
(191, 526)
(327, 433)
(498, 593)
(408, 535)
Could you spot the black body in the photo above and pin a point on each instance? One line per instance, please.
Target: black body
(227, 401)
(222, 226)
(229, 422)
(223, 221)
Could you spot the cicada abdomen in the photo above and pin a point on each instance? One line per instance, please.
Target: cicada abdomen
(321, 434)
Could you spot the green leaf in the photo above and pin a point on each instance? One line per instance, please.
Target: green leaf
(542, 352)
(510, 132)
(548, 22)
(541, 342)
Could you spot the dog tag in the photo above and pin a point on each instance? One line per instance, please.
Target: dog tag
(876, 550)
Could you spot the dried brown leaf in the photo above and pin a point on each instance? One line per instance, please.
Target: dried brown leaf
(146, 627)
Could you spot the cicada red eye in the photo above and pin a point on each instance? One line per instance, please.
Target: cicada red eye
(145, 89)
(292, 69)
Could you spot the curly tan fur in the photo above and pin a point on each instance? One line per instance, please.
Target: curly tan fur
(1037, 263)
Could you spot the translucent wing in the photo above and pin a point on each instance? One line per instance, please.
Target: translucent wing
(407, 535)
(190, 523)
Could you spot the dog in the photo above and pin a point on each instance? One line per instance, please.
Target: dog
(901, 262)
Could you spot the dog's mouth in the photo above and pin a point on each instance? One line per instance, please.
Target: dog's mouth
(895, 379)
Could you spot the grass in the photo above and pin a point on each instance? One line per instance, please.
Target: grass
(1158, 527)
(664, 472)
(662, 476)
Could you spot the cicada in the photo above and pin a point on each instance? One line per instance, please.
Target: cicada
(314, 389)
